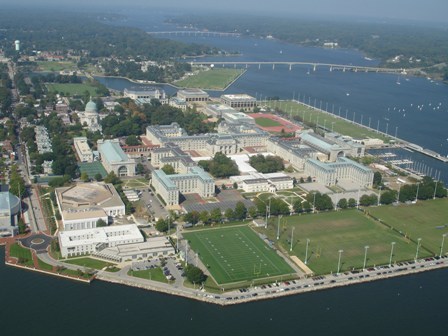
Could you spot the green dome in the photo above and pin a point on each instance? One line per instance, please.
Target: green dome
(91, 107)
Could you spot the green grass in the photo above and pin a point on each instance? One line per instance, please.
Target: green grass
(18, 251)
(266, 122)
(214, 79)
(342, 126)
(56, 66)
(236, 254)
(425, 219)
(154, 274)
(136, 183)
(89, 263)
(44, 266)
(74, 273)
(349, 231)
(72, 89)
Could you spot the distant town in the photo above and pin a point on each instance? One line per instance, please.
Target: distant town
(225, 199)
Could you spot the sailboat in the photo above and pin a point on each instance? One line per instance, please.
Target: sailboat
(398, 80)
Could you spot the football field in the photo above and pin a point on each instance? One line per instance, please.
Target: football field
(236, 254)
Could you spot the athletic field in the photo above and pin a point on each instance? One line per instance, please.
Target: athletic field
(236, 254)
(212, 79)
(72, 89)
(349, 231)
(427, 220)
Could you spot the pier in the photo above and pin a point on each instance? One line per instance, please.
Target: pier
(427, 152)
(193, 33)
(313, 65)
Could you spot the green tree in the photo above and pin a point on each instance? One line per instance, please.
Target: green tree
(216, 215)
(204, 217)
(388, 197)
(377, 179)
(98, 177)
(192, 217)
(168, 169)
(229, 214)
(100, 223)
(194, 274)
(342, 204)
(352, 203)
(132, 140)
(85, 177)
(252, 211)
(112, 178)
(22, 226)
(162, 225)
(298, 206)
(240, 211)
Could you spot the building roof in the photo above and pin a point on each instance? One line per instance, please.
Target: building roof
(106, 234)
(86, 200)
(8, 201)
(112, 152)
(91, 107)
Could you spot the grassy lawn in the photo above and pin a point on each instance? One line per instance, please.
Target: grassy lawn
(155, 274)
(350, 231)
(72, 89)
(89, 263)
(56, 66)
(425, 219)
(212, 79)
(266, 122)
(75, 274)
(136, 183)
(44, 266)
(18, 251)
(236, 254)
(312, 116)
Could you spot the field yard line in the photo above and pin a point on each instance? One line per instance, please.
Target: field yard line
(261, 252)
(216, 260)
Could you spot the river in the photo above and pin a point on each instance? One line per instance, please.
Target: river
(413, 305)
(36, 304)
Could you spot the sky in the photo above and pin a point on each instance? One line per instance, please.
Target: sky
(421, 10)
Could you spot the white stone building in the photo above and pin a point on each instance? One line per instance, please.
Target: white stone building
(239, 102)
(88, 241)
(82, 149)
(82, 205)
(115, 159)
(90, 118)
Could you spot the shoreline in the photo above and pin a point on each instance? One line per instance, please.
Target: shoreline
(276, 290)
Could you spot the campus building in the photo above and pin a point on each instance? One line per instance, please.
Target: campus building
(82, 149)
(217, 110)
(152, 248)
(88, 241)
(114, 159)
(291, 151)
(193, 95)
(145, 93)
(82, 205)
(90, 118)
(258, 182)
(195, 180)
(43, 141)
(178, 103)
(172, 155)
(229, 139)
(240, 102)
(9, 212)
(330, 173)
(332, 146)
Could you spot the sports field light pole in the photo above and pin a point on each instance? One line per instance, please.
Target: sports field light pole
(435, 189)
(418, 247)
(292, 238)
(379, 195)
(339, 261)
(365, 256)
(391, 253)
(278, 227)
(441, 246)
(416, 194)
(306, 251)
